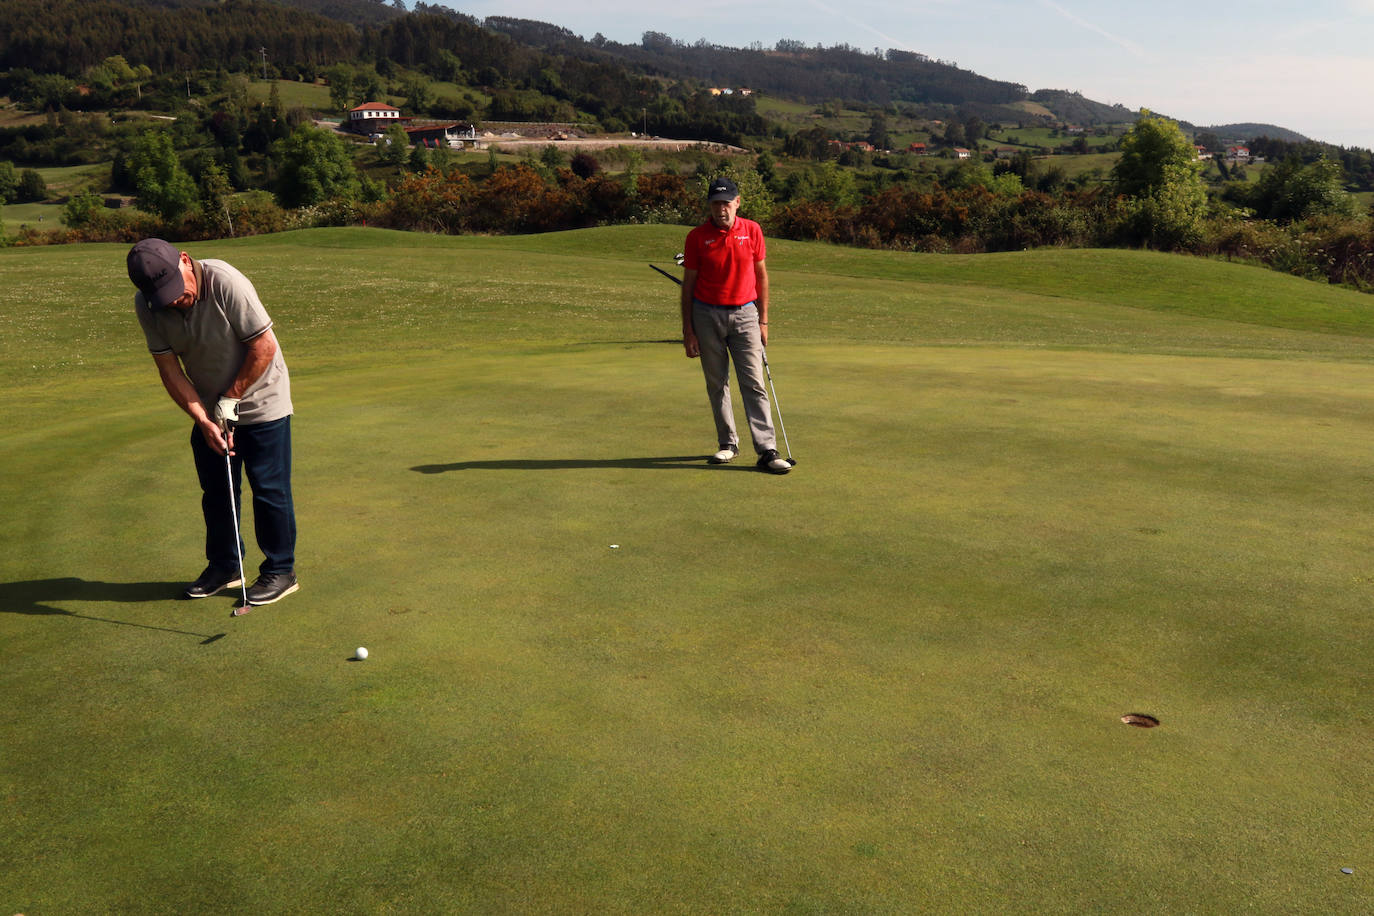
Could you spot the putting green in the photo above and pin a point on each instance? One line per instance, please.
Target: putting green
(1035, 492)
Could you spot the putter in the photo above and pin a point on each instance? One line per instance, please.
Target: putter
(234, 512)
(666, 274)
(778, 407)
(766, 371)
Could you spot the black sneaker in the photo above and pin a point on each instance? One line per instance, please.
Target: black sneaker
(272, 587)
(212, 581)
(773, 463)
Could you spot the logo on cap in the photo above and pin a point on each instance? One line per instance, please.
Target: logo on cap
(722, 189)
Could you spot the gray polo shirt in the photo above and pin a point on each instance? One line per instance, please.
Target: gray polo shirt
(210, 337)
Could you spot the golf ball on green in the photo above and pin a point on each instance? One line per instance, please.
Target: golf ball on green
(360, 654)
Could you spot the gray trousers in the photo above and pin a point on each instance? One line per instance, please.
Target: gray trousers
(727, 333)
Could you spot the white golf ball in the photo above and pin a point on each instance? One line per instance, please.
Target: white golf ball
(360, 654)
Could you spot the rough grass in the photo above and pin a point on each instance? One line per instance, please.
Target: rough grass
(1035, 492)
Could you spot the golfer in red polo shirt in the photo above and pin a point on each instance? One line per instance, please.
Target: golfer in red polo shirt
(725, 317)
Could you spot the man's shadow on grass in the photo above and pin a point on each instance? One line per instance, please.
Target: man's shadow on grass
(36, 596)
(669, 462)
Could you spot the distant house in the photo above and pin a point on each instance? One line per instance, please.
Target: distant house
(373, 118)
(1237, 154)
(917, 148)
(1006, 152)
(962, 153)
(1203, 152)
(436, 135)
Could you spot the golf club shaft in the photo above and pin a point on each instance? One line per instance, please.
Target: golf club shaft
(776, 406)
(233, 509)
(666, 274)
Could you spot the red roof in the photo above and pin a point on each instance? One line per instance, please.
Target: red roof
(375, 106)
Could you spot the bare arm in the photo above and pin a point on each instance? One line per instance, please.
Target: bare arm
(261, 350)
(183, 393)
(689, 334)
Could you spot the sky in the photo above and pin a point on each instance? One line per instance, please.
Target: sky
(1307, 66)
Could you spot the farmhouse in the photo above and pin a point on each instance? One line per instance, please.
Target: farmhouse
(373, 118)
(917, 148)
(962, 153)
(450, 135)
(1237, 154)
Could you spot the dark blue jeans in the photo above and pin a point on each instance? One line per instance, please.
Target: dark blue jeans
(263, 450)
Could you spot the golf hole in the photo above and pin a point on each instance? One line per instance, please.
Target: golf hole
(1140, 720)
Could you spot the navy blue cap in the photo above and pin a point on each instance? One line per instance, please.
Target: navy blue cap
(722, 189)
(155, 268)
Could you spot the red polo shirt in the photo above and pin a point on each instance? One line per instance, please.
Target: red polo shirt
(724, 260)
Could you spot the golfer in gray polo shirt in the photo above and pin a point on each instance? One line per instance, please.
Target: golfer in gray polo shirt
(218, 357)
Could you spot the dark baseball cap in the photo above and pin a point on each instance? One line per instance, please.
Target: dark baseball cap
(722, 189)
(155, 268)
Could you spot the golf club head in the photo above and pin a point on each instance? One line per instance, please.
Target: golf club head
(679, 258)
(240, 610)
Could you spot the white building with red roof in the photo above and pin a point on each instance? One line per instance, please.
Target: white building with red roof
(373, 118)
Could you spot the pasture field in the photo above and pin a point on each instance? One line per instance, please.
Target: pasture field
(293, 93)
(62, 182)
(1035, 492)
(32, 215)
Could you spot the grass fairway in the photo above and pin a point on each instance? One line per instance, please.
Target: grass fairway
(1035, 492)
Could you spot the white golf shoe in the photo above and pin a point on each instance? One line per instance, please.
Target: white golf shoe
(727, 454)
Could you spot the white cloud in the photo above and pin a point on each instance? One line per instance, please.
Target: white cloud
(891, 42)
(1077, 20)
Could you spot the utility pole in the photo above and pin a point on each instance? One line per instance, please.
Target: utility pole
(645, 112)
(263, 52)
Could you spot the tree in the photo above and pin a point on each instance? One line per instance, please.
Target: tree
(82, 209)
(215, 196)
(31, 188)
(369, 85)
(394, 146)
(766, 166)
(1153, 152)
(584, 165)
(448, 67)
(877, 131)
(419, 158)
(419, 93)
(974, 130)
(163, 186)
(341, 78)
(9, 182)
(1159, 171)
(551, 157)
(1292, 191)
(313, 166)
